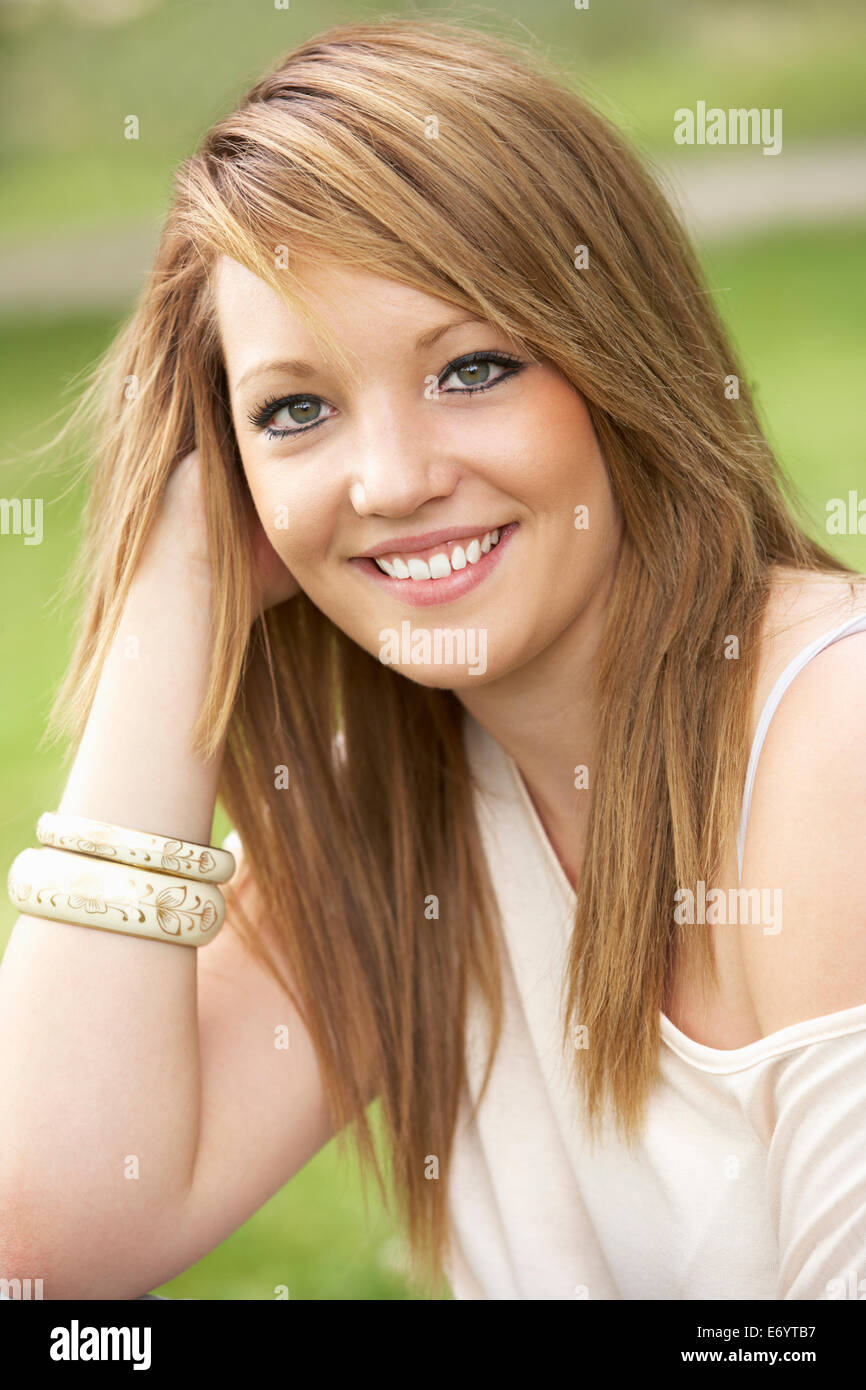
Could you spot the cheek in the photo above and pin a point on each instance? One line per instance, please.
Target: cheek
(298, 514)
(565, 483)
(553, 461)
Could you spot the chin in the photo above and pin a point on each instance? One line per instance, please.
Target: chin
(442, 656)
(443, 678)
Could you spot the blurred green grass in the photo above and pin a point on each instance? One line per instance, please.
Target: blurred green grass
(795, 303)
(177, 67)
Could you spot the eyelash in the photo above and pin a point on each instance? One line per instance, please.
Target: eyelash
(261, 414)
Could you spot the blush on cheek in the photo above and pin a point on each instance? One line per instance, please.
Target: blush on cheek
(291, 525)
(303, 506)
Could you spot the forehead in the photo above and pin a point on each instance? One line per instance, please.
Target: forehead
(350, 302)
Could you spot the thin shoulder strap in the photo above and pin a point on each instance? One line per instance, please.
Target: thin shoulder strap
(856, 624)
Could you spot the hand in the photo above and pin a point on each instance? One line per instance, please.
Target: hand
(180, 531)
(274, 581)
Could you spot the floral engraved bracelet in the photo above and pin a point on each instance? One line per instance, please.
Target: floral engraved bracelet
(139, 848)
(117, 897)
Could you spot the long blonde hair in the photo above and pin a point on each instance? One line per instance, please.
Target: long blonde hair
(445, 159)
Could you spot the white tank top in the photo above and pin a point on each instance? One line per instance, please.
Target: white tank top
(749, 1179)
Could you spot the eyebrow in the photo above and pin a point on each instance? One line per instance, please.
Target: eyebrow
(299, 368)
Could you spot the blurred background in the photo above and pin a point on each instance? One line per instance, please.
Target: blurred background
(781, 238)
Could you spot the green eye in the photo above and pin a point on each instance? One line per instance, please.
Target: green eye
(479, 371)
(302, 412)
(298, 412)
(473, 373)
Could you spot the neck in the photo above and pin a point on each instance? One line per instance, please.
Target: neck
(545, 717)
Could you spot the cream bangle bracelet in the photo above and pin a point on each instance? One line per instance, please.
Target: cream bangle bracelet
(76, 888)
(140, 848)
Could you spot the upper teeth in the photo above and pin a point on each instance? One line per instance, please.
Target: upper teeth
(440, 565)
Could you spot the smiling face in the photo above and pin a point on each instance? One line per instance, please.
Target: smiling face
(446, 452)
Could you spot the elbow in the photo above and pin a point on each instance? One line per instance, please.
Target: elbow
(51, 1260)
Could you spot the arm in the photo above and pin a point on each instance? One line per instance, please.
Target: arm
(262, 1116)
(815, 1095)
(101, 1071)
(99, 1065)
(807, 837)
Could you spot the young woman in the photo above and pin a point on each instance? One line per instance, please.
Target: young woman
(432, 527)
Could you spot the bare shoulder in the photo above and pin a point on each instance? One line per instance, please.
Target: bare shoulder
(807, 823)
(802, 606)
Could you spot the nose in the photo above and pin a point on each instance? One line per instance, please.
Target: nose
(397, 466)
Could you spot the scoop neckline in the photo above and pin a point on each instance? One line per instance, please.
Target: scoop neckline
(710, 1059)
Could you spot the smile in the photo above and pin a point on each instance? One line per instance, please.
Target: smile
(442, 573)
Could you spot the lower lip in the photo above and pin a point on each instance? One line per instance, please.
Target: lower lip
(423, 592)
